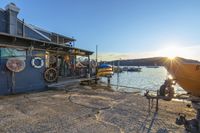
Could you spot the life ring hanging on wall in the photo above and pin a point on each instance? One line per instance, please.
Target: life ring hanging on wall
(33, 62)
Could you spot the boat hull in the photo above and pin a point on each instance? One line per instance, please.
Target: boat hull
(105, 70)
(187, 75)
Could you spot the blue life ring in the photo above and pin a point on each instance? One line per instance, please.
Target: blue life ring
(33, 62)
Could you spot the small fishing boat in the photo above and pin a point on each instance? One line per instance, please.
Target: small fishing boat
(186, 74)
(154, 66)
(117, 69)
(134, 69)
(125, 68)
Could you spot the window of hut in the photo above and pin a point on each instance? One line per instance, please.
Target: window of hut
(11, 52)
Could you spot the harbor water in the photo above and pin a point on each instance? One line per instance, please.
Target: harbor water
(147, 79)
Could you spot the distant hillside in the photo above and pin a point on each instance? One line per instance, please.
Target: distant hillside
(146, 61)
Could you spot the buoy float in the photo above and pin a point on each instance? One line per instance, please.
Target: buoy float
(40, 65)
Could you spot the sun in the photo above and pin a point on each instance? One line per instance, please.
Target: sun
(173, 51)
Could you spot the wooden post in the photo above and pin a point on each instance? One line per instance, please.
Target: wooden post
(23, 28)
(157, 102)
(96, 54)
(74, 65)
(149, 105)
(152, 103)
(88, 66)
(108, 78)
(57, 67)
(96, 64)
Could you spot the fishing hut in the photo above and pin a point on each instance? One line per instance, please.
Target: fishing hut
(32, 58)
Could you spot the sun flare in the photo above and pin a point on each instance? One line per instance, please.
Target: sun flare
(174, 51)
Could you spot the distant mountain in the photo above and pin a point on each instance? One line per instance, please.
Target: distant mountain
(159, 61)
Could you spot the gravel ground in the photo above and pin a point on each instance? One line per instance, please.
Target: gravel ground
(85, 109)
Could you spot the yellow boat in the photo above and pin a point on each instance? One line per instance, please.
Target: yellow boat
(105, 74)
(105, 70)
(187, 75)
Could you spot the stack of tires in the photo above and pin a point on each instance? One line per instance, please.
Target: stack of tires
(105, 70)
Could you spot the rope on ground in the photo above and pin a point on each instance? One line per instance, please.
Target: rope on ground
(97, 113)
(103, 108)
(178, 95)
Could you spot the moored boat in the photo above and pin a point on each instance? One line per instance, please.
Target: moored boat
(105, 70)
(152, 66)
(186, 74)
(117, 69)
(125, 68)
(134, 69)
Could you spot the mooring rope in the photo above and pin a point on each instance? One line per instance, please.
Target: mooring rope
(131, 87)
(96, 108)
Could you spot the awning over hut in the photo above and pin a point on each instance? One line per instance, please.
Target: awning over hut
(11, 41)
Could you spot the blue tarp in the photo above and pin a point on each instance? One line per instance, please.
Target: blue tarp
(105, 66)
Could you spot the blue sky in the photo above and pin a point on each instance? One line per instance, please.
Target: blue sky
(121, 28)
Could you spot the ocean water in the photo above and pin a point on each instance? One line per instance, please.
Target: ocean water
(147, 79)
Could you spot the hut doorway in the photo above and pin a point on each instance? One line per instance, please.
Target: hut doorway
(65, 69)
(62, 62)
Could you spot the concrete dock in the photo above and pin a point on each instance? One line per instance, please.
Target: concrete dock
(86, 109)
